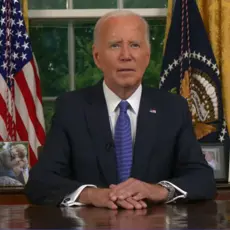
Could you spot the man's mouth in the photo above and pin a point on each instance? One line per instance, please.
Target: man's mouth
(126, 70)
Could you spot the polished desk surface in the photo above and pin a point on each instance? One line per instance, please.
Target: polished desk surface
(201, 215)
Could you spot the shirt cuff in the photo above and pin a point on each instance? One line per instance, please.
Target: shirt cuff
(70, 200)
(182, 193)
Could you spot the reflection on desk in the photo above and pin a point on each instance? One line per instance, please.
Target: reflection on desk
(202, 215)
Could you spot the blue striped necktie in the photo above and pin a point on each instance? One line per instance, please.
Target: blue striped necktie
(123, 143)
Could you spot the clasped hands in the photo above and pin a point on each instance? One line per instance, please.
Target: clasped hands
(130, 194)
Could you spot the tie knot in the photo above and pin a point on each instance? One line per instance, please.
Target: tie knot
(123, 105)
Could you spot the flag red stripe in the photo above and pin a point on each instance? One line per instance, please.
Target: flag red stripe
(33, 159)
(23, 134)
(1, 139)
(4, 111)
(37, 81)
(21, 129)
(23, 86)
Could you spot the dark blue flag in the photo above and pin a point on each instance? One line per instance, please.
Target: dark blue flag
(190, 69)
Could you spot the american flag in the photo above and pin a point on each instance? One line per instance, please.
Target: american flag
(21, 112)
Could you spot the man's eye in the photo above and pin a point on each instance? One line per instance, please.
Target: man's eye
(115, 46)
(135, 45)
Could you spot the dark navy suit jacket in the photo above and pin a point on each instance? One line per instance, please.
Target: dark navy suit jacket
(79, 147)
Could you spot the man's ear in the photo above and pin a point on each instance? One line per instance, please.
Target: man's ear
(96, 56)
(148, 56)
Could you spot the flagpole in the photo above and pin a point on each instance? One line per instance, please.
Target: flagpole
(168, 20)
(25, 14)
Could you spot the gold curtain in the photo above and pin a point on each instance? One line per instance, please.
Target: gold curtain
(25, 13)
(168, 20)
(216, 18)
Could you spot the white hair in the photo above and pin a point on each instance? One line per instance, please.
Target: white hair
(19, 148)
(120, 13)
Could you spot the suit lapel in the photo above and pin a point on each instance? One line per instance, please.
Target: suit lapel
(100, 131)
(145, 133)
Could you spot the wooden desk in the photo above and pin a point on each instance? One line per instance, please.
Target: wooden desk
(202, 215)
(16, 198)
(13, 197)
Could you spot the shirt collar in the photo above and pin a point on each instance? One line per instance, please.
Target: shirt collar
(112, 100)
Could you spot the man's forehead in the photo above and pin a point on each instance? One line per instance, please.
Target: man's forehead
(118, 30)
(118, 34)
(130, 21)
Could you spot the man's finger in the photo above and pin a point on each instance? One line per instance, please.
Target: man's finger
(139, 196)
(121, 188)
(135, 203)
(125, 194)
(122, 194)
(144, 204)
(123, 184)
(124, 204)
(111, 205)
(112, 186)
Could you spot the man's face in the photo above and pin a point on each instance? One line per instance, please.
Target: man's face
(122, 52)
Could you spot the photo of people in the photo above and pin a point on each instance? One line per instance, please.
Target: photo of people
(14, 166)
(212, 157)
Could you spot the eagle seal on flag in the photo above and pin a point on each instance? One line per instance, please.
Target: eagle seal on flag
(189, 69)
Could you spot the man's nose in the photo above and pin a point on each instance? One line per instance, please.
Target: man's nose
(125, 53)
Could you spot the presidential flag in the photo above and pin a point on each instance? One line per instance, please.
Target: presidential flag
(21, 112)
(190, 69)
(216, 18)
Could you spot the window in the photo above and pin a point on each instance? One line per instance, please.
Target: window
(77, 4)
(48, 107)
(94, 4)
(50, 45)
(62, 40)
(145, 4)
(47, 4)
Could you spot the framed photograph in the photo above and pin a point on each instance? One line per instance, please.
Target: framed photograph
(14, 165)
(216, 158)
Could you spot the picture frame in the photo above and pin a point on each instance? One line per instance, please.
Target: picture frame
(216, 158)
(14, 165)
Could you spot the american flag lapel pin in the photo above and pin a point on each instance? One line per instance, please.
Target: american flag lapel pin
(153, 111)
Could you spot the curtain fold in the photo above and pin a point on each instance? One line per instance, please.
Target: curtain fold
(168, 20)
(216, 18)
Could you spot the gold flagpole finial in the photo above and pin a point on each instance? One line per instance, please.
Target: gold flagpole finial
(25, 13)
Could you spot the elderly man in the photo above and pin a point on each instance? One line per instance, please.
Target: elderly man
(119, 144)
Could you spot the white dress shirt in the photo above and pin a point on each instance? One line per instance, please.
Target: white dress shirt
(112, 102)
